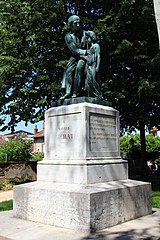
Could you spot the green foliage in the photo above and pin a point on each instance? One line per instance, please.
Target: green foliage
(157, 160)
(6, 184)
(37, 156)
(6, 205)
(152, 143)
(129, 37)
(126, 146)
(15, 151)
(31, 49)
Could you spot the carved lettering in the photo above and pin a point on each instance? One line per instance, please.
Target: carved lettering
(64, 133)
(66, 136)
(102, 133)
(63, 128)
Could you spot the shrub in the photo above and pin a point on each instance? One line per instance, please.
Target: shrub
(19, 150)
(126, 146)
(152, 145)
(37, 156)
(5, 184)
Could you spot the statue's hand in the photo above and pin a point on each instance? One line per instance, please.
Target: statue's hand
(83, 57)
(97, 69)
(92, 50)
(88, 52)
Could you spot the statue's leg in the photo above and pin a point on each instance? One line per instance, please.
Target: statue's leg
(78, 77)
(67, 80)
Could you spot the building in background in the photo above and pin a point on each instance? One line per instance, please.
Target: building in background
(38, 140)
(15, 136)
(2, 139)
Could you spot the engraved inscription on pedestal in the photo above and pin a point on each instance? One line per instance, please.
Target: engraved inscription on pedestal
(102, 133)
(64, 135)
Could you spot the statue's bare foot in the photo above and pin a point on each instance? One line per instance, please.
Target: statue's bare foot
(74, 95)
(67, 95)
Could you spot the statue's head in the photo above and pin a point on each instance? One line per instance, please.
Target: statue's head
(74, 22)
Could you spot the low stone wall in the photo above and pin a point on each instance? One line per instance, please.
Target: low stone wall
(23, 170)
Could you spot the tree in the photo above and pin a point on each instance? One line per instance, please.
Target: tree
(31, 50)
(33, 55)
(131, 83)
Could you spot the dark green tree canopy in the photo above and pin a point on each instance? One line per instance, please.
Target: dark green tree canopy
(33, 55)
(31, 52)
(130, 81)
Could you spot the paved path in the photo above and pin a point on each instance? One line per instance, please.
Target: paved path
(144, 228)
(6, 195)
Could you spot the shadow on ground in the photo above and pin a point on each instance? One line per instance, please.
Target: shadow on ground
(126, 235)
(140, 229)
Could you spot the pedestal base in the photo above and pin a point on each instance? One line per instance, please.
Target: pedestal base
(82, 172)
(84, 208)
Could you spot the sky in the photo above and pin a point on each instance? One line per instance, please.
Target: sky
(29, 128)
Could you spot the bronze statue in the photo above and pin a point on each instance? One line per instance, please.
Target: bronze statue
(81, 75)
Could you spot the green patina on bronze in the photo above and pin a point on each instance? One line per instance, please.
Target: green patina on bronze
(81, 75)
(76, 100)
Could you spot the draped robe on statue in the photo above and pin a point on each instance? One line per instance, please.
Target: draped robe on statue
(87, 78)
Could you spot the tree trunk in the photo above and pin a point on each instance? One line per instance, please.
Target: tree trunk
(143, 162)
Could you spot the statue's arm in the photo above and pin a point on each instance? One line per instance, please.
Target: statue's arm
(72, 46)
(98, 57)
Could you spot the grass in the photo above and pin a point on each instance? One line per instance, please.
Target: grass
(156, 199)
(6, 205)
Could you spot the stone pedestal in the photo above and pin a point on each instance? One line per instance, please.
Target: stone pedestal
(82, 145)
(82, 183)
(157, 16)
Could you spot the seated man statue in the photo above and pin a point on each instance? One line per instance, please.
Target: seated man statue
(82, 71)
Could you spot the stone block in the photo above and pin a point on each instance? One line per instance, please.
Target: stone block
(82, 173)
(82, 131)
(83, 208)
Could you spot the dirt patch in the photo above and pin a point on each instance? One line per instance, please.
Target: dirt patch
(6, 195)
